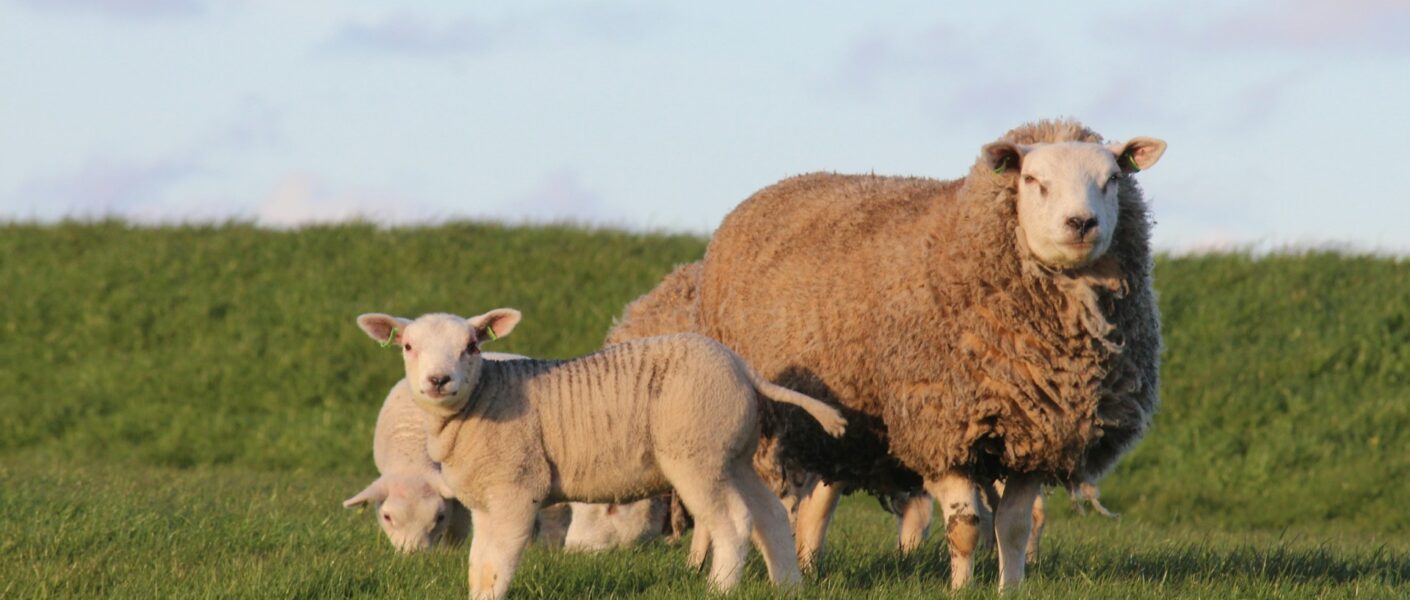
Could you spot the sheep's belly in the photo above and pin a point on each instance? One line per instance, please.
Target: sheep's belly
(609, 473)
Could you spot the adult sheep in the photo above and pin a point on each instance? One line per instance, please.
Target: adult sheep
(998, 326)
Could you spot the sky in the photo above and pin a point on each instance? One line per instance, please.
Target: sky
(1287, 120)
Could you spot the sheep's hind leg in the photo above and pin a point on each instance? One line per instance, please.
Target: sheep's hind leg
(815, 512)
(699, 547)
(1013, 522)
(501, 533)
(772, 535)
(959, 502)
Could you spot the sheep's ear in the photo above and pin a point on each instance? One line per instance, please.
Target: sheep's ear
(1138, 153)
(383, 328)
(495, 324)
(376, 492)
(1004, 157)
(439, 484)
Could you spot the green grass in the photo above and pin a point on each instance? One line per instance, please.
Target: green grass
(183, 409)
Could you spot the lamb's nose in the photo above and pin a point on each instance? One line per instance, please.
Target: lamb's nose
(439, 381)
(1082, 224)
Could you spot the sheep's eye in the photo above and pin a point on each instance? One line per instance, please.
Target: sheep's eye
(1029, 179)
(471, 348)
(407, 347)
(387, 517)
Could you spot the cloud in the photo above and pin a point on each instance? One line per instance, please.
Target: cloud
(1350, 25)
(124, 9)
(407, 34)
(559, 196)
(302, 199)
(104, 186)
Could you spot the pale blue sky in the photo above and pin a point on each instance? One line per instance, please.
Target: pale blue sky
(1287, 120)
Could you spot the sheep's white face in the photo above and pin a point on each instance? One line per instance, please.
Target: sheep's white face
(1067, 194)
(414, 516)
(441, 352)
(442, 357)
(413, 511)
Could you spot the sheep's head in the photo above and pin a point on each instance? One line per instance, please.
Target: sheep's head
(1067, 193)
(441, 352)
(413, 511)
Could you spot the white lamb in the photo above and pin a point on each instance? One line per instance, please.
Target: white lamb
(625, 423)
(414, 507)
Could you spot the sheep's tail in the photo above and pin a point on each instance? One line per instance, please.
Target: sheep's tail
(830, 418)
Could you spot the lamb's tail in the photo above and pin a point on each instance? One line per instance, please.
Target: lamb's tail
(830, 418)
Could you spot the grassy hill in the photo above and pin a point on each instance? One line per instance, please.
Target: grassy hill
(145, 365)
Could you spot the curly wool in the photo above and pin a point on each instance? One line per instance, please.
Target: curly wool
(913, 303)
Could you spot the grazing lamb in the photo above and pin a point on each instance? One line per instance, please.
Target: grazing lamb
(625, 423)
(414, 507)
(602, 526)
(1002, 326)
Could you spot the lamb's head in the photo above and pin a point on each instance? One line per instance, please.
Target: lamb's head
(441, 352)
(413, 510)
(1067, 193)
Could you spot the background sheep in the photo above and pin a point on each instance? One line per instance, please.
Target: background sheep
(602, 526)
(513, 435)
(1000, 326)
(414, 506)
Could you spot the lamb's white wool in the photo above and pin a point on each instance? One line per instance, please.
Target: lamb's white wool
(604, 526)
(626, 423)
(1067, 204)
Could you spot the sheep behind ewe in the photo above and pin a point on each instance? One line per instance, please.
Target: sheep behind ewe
(1001, 326)
(625, 423)
(414, 507)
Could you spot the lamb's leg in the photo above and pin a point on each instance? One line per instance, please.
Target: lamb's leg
(502, 531)
(1013, 522)
(959, 501)
(815, 510)
(771, 533)
(915, 519)
(719, 510)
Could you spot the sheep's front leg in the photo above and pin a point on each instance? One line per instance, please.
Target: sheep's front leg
(959, 502)
(502, 530)
(1013, 522)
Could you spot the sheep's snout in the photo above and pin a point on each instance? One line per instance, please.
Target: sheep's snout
(441, 386)
(1081, 226)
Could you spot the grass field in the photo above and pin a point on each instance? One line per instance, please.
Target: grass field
(183, 409)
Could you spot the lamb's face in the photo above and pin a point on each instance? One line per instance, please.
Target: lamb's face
(1067, 194)
(442, 356)
(414, 516)
(441, 352)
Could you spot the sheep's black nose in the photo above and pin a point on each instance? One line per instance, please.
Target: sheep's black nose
(1082, 224)
(439, 380)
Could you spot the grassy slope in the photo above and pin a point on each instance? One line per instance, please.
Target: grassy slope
(182, 408)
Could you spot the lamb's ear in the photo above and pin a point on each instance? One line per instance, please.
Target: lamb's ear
(1138, 153)
(495, 324)
(383, 328)
(1004, 157)
(375, 492)
(439, 484)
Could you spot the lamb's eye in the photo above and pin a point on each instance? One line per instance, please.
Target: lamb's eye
(471, 348)
(387, 517)
(1029, 179)
(407, 347)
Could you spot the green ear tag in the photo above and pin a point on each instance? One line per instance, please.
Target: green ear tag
(390, 336)
(493, 337)
(1132, 159)
(1003, 164)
